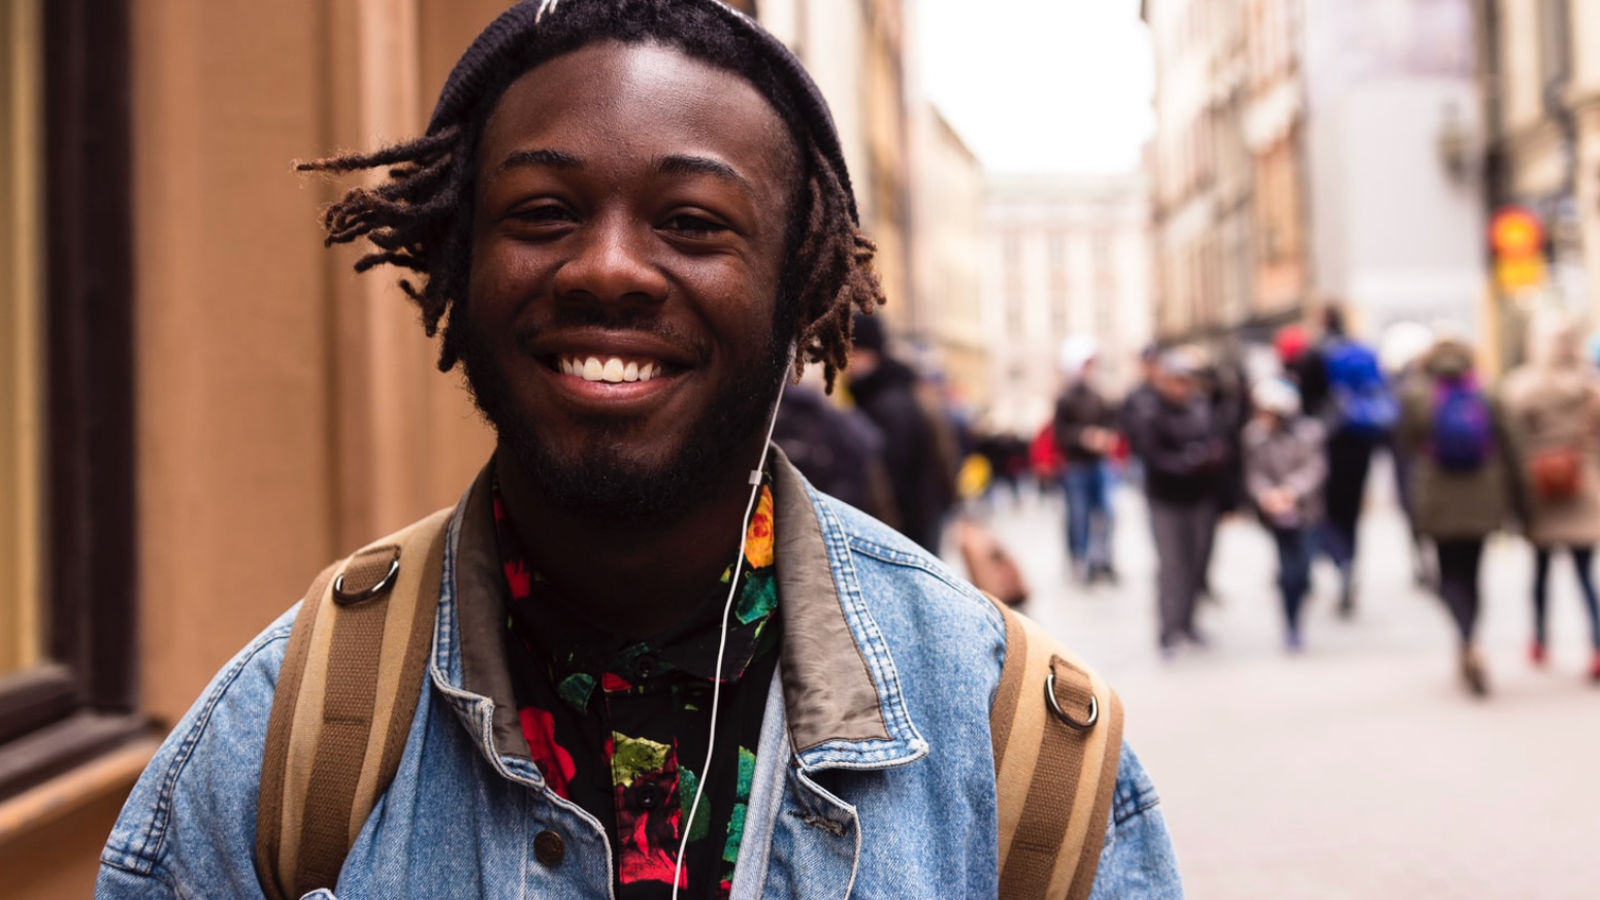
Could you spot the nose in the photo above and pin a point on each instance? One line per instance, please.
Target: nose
(612, 264)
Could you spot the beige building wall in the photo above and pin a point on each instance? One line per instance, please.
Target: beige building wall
(21, 397)
(855, 51)
(949, 196)
(288, 410)
(1274, 112)
(1550, 140)
(1584, 99)
(1188, 38)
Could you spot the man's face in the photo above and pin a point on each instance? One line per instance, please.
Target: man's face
(1177, 387)
(628, 239)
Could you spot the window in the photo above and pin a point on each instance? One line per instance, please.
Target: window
(1058, 309)
(66, 397)
(1056, 247)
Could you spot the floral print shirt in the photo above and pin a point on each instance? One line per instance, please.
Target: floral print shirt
(620, 727)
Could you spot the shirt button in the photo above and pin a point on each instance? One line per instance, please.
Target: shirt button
(549, 848)
(648, 796)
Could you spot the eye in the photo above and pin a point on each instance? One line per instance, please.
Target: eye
(692, 225)
(541, 214)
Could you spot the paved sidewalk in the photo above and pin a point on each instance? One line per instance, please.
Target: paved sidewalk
(1358, 769)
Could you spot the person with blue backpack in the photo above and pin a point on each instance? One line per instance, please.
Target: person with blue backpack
(1465, 482)
(1342, 384)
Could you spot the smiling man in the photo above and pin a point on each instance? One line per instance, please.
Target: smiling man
(642, 657)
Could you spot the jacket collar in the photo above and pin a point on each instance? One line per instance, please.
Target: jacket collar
(842, 699)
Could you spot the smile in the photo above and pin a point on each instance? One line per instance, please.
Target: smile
(610, 369)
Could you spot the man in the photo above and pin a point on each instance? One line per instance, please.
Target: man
(1342, 384)
(631, 215)
(916, 449)
(1085, 425)
(1141, 399)
(838, 450)
(1176, 437)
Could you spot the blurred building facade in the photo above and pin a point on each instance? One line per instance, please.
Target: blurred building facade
(1184, 203)
(1273, 130)
(1064, 256)
(1354, 117)
(949, 193)
(1393, 128)
(856, 51)
(201, 406)
(1541, 62)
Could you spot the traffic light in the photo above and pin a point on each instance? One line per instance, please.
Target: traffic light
(1516, 239)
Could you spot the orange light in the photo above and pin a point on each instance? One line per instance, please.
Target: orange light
(1515, 232)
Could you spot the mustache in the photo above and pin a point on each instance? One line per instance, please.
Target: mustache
(632, 320)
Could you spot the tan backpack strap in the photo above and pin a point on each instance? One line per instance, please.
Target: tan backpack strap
(1056, 729)
(346, 694)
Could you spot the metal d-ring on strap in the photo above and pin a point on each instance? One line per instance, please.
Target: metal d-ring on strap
(383, 584)
(1050, 698)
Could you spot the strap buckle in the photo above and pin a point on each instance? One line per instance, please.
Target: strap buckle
(1055, 707)
(346, 598)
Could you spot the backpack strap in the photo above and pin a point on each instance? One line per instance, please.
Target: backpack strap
(1057, 734)
(346, 693)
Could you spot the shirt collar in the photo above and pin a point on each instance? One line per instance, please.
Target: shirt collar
(563, 642)
(844, 704)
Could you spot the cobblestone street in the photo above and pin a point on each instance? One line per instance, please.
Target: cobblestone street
(1360, 768)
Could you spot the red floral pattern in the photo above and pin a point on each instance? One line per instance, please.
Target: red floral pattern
(614, 751)
(553, 760)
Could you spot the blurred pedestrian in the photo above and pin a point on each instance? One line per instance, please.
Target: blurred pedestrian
(1085, 435)
(921, 480)
(1176, 438)
(1044, 459)
(1226, 386)
(1284, 471)
(1553, 413)
(1465, 483)
(1400, 353)
(1141, 398)
(1342, 384)
(839, 450)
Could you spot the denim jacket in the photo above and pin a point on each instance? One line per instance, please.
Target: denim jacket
(874, 775)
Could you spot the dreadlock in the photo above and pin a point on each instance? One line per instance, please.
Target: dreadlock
(420, 216)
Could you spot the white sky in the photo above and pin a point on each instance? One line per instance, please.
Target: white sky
(1041, 85)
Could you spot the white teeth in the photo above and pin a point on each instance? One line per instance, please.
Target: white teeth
(612, 369)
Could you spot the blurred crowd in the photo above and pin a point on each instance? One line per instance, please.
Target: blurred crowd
(1289, 443)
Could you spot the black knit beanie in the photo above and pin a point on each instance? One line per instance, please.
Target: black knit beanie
(495, 59)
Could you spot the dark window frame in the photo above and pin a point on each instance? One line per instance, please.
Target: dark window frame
(80, 704)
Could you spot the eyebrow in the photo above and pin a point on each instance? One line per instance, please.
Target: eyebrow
(672, 164)
(678, 164)
(554, 159)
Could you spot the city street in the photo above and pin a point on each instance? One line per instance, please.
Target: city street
(1360, 768)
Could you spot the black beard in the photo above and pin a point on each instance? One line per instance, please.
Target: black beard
(600, 485)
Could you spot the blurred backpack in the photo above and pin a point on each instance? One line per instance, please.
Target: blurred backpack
(1463, 435)
(1357, 389)
(989, 566)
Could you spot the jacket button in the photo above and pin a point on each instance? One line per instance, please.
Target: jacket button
(648, 796)
(549, 848)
